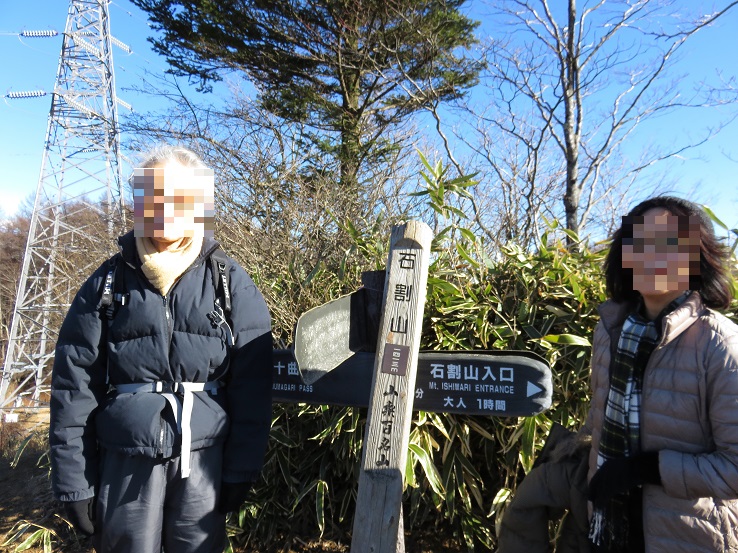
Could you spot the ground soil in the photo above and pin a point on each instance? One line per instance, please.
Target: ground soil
(27, 506)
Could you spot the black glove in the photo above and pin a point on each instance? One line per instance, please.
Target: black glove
(81, 515)
(232, 495)
(617, 476)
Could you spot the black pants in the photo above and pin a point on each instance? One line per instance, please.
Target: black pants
(144, 504)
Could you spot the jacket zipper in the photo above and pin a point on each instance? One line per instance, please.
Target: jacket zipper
(170, 329)
(161, 435)
(170, 323)
(170, 332)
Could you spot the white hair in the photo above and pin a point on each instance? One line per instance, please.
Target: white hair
(164, 153)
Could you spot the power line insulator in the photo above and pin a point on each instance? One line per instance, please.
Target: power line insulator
(39, 34)
(123, 46)
(26, 94)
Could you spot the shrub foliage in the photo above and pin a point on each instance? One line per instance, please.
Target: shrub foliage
(460, 469)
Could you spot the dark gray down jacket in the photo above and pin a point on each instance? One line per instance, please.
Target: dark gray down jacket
(155, 338)
(555, 488)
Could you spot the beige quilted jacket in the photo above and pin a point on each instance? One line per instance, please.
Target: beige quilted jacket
(689, 414)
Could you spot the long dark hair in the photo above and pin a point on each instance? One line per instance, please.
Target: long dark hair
(712, 282)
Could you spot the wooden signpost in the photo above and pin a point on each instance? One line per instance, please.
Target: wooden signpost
(378, 518)
(340, 365)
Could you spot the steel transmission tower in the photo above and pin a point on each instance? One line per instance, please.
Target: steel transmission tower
(79, 204)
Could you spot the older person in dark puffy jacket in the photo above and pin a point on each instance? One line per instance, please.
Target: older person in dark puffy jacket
(161, 401)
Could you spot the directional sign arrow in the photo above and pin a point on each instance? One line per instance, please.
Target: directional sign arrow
(499, 383)
(533, 389)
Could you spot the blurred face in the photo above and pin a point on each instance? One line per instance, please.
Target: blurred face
(663, 253)
(172, 202)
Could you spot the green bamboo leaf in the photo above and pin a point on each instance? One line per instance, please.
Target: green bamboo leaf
(479, 430)
(282, 438)
(715, 218)
(463, 253)
(351, 229)
(569, 339)
(498, 507)
(16, 532)
(429, 182)
(443, 285)
(571, 234)
(306, 490)
(31, 540)
(456, 211)
(321, 490)
(410, 480)
(527, 443)
(469, 235)
(424, 160)
(317, 269)
(233, 530)
(21, 448)
(438, 423)
(285, 469)
(476, 492)
(556, 311)
(431, 472)
(499, 501)
(462, 490)
(464, 180)
(575, 288)
(468, 467)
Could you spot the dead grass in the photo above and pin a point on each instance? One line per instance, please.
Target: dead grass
(25, 495)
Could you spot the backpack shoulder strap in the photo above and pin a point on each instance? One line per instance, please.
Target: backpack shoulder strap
(219, 265)
(108, 292)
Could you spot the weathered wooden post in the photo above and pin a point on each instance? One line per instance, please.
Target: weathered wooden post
(378, 519)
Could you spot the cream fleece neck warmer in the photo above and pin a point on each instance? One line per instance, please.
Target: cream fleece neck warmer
(164, 268)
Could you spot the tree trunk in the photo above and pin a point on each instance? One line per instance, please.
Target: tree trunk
(572, 125)
(350, 130)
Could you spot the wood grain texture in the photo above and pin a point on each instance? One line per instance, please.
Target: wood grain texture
(378, 518)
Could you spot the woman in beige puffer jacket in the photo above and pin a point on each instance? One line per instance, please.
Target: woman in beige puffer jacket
(680, 475)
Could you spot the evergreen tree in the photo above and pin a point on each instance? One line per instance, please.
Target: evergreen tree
(347, 69)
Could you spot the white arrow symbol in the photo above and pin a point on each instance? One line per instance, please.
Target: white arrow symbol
(533, 389)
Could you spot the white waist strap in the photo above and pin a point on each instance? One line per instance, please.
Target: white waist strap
(182, 411)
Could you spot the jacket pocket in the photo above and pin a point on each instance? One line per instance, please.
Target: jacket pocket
(136, 424)
(210, 423)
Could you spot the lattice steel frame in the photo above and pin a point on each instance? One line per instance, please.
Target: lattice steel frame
(80, 175)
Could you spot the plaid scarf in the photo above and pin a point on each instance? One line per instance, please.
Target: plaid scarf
(610, 530)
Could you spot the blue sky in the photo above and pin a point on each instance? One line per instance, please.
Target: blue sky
(706, 175)
(31, 64)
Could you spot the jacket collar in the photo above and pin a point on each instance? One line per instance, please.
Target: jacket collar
(614, 314)
(127, 247)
